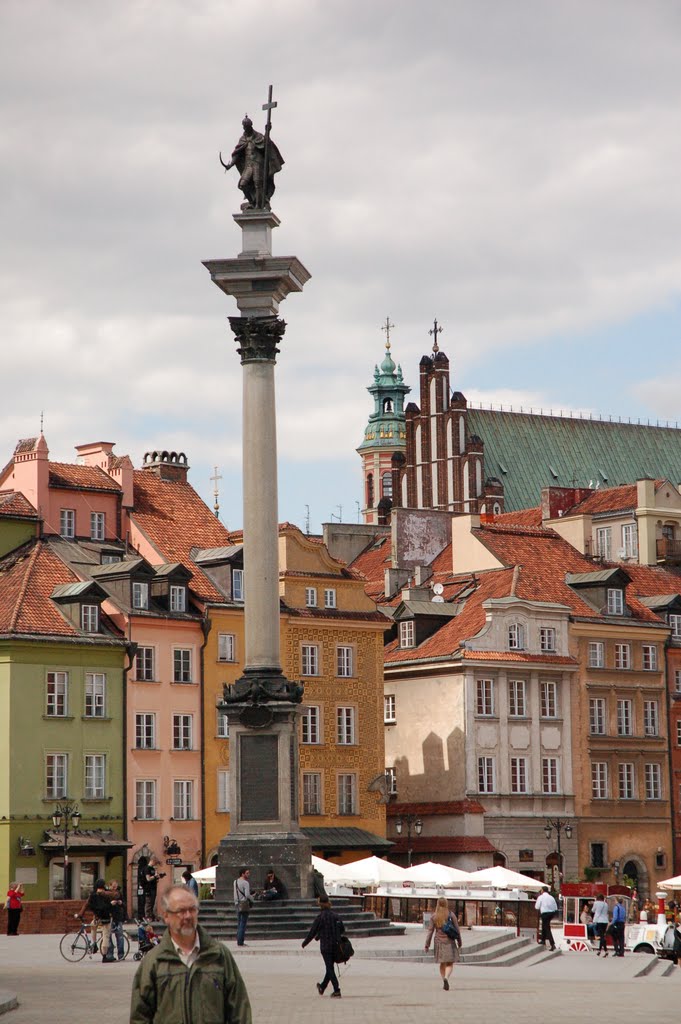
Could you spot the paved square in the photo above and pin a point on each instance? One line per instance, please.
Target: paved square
(281, 981)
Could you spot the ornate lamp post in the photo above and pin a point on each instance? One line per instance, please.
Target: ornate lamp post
(411, 821)
(62, 814)
(558, 825)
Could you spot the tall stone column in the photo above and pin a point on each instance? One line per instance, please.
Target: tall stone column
(263, 706)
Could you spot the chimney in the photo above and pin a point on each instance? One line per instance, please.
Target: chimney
(170, 466)
(31, 471)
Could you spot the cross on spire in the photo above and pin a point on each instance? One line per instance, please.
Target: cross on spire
(434, 331)
(387, 327)
(214, 479)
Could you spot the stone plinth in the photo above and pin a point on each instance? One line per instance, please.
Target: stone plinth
(264, 780)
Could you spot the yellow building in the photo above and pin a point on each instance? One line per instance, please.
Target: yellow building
(332, 641)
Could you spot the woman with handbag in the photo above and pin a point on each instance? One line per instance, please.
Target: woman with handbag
(327, 928)
(445, 927)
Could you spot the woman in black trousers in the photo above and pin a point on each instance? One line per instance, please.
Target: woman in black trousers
(327, 928)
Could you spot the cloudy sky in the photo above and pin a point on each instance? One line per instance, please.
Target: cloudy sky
(509, 168)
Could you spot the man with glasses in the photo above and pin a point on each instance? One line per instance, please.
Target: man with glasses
(188, 976)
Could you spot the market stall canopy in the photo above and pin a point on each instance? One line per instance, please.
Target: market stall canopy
(671, 883)
(205, 874)
(332, 872)
(372, 871)
(436, 874)
(502, 878)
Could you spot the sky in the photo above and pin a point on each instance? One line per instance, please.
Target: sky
(509, 168)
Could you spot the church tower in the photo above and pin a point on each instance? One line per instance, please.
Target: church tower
(385, 436)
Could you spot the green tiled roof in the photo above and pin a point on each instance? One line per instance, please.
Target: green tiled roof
(527, 452)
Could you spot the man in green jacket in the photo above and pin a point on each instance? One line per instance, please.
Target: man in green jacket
(189, 978)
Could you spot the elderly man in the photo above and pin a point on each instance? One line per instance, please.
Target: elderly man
(189, 978)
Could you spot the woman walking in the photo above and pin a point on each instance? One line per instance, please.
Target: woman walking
(14, 908)
(327, 928)
(446, 948)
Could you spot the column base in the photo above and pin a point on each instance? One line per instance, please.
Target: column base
(289, 854)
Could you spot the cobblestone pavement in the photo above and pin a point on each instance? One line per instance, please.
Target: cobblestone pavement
(568, 989)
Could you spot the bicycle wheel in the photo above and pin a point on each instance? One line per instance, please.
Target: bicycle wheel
(73, 946)
(126, 945)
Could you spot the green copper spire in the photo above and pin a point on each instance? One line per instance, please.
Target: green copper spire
(386, 426)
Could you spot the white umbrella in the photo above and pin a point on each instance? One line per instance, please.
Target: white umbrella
(502, 878)
(436, 874)
(671, 883)
(373, 871)
(205, 875)
(332, 872)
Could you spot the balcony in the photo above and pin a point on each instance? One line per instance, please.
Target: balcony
(668, 551)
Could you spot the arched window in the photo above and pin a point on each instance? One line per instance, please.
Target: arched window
(387, 485)
(387, 405)
(370, 490)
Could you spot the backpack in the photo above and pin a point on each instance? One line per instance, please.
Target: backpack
(451, 931)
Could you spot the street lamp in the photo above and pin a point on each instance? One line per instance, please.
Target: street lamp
(412, 821)
(558, 825)
(65, 813)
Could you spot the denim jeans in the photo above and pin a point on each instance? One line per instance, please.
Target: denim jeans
(241, 922)
(117, 933)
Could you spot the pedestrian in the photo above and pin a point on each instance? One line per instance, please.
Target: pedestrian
(99, 905)
(189, 976)
(119, 916)
(548, 908)
(327, 928)
(191, 882)
(274, 888)
(15, 895)
(151, 880)
(318, 890)
(619, 918)
(601, 916)
(242, 902)
(445, 948)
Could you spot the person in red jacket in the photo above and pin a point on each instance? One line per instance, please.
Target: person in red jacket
(14, 896)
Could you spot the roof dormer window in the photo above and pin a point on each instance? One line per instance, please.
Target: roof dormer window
(140, 596)
(407, 633)
(89, 618)
(516, 637)
(178, 599)
(615, 601)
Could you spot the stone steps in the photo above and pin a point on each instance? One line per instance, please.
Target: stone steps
(290, 919)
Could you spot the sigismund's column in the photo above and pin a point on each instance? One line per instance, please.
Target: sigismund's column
(263, 706)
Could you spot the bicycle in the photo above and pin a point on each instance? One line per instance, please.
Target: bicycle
(74, 946)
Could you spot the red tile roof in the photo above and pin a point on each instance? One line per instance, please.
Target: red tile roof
(523, 517)
(467, 623)
(15, 506)
(517, 656)
(443, 844)
(610, 499)
(175, 519)
(84, 478)
(371, 565)
(396, 810)
(27, 578)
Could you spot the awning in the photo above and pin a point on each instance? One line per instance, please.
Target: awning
(333, 841)
(87, 840)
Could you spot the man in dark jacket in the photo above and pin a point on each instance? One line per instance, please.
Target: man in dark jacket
(189, 978)
(99, 904)
(119, 916)
(327, 927)
(274, 888)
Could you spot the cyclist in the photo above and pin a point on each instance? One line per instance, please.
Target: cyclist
(99, 904)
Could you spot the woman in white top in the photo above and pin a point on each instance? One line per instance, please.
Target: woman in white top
(601, 918)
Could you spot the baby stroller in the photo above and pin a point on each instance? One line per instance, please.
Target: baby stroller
(146, 938)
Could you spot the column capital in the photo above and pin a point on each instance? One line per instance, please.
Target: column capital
(257, 337)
